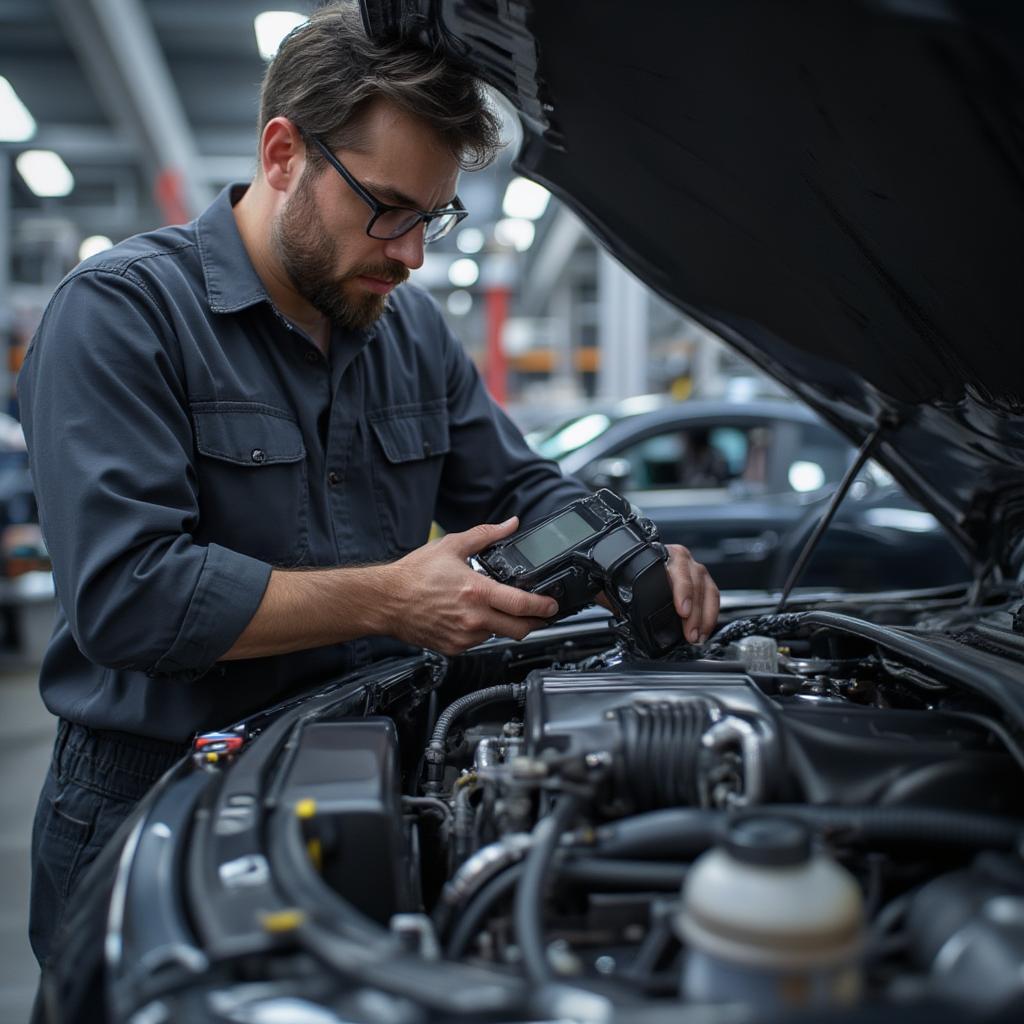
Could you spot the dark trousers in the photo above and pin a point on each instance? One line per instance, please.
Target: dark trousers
(94, 781)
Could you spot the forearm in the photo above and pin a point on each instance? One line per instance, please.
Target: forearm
(302, 609)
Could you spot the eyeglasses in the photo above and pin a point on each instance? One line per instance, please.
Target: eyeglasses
(389, 221)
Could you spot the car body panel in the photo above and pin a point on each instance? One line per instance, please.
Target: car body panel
(749, 530)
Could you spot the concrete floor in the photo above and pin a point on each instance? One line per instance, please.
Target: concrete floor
(26, 738)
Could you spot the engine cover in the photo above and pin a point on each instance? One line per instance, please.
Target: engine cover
(707, 734)
(695, 737)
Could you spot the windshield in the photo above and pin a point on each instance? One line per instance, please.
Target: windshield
(555, 442)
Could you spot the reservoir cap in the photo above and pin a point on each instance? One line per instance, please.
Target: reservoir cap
(768, 840)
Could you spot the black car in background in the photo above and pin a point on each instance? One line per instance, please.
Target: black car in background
(837, 190)
(743, 484)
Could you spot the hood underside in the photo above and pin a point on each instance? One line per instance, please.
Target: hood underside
(836, 189)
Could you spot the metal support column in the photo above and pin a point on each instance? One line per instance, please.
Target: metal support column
(6, 312)
(621, 331)
(119, 51)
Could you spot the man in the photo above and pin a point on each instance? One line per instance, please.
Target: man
(241, 429)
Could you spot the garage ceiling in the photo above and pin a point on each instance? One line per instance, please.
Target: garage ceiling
(151, 103)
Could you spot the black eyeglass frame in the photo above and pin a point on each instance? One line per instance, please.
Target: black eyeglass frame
(456, 211)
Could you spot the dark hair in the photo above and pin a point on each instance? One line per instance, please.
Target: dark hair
(327, 71)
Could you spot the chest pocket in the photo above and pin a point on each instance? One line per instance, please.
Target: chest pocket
(412, 441)
(253, 491)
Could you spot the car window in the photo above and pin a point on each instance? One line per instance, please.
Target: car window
(821, 459)
(698, 457)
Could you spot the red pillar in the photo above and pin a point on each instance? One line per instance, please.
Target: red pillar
(496, 370)
(169, 192)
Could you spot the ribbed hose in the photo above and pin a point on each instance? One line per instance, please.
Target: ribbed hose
(435, 752)
(683, 833)
(660, 747)
(528, 917)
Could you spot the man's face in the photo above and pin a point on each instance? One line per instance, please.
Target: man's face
(320, 234)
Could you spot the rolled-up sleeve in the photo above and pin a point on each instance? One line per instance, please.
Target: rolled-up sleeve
(490, 472)
(107, 422)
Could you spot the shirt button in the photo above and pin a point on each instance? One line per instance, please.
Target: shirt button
(428, 448)
(259, 456)
(333, 478)
(312, 358)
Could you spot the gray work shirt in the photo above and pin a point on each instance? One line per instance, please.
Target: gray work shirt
(184, 438)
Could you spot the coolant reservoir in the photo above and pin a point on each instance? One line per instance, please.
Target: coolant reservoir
(767, 920)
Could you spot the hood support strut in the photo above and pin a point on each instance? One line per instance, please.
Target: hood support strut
(833, 506)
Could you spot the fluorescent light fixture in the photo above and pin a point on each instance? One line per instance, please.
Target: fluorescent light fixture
(16, 123)
(271, 28)
(524, 198)
(460, 303)
(516, 232)
(44, 172)
(470, 240)
(464, 273)
(92, 245)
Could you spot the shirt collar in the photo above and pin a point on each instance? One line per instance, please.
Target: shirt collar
(232, 283)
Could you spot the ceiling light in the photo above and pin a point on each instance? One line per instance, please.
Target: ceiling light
(470, 240)
(460, 303)
(44, 172)
(92, 245)
(16, 123)
(516, 232)
(525, 198)
(463, 273)
(271, 28)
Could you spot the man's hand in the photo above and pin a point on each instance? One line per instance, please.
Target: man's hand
(694, 593)
(438, 602)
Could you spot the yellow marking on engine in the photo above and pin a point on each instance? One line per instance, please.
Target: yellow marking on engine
(282, 921)
(306, 809)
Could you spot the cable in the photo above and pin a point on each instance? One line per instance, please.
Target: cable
(528, 918)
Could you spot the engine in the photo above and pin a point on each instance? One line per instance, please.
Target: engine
(776, 823)
(806, 813)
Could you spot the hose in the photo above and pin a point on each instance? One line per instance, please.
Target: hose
(435, 752)
(462, 832)
(473, 917)
(528, 916)
(601, 875)
(660, 749)
(622, 875)
(683, 833)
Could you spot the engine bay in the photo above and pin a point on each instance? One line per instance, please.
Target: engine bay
(567, 819)
(817, 813)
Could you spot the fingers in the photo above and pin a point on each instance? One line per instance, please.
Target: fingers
(712, 601)
(521, 603)
(475, 539)
(694, 592)
(513, 626)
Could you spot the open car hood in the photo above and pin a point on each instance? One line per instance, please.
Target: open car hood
(834, 189)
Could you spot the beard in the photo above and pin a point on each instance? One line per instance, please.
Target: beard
(310, 255)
